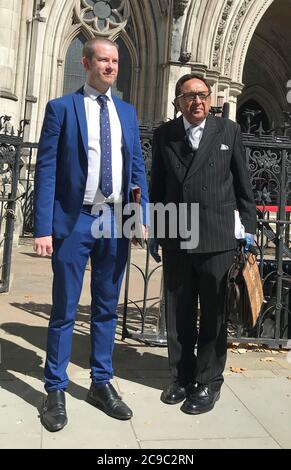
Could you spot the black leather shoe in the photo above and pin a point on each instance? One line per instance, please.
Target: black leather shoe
(200, 400)
(106, 399)
(174, 393)
(53, 415)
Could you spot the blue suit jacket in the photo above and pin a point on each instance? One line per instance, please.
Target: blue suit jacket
(62, 163)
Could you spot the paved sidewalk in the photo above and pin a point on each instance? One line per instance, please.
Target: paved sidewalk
(254, 410)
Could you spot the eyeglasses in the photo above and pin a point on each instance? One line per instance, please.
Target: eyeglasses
(191, 96)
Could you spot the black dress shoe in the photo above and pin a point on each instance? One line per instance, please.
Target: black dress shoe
(174, 393)
(107, 399)
(53, 414)
(200, 400)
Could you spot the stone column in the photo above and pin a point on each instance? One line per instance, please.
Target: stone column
(222, 95)
(212, 77)
(178, 64)
(235, 90)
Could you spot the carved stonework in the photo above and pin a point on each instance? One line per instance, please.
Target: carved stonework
(179, 7)
(130, 31)
(102, 17)
(233, 36)
(220, 34)
(185, 57)
(164, 7)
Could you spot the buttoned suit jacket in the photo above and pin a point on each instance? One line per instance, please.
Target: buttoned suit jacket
(62, 163)
(216, 178)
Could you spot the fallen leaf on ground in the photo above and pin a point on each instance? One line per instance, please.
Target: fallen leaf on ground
(237, 370)
(242, 351)
(267, 359)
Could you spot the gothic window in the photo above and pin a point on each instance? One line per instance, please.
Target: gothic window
(122, 86)
(75, 74)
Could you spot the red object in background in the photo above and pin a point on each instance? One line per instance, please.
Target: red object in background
(272, 208)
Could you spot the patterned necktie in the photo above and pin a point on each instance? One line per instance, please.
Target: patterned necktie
(105, 143)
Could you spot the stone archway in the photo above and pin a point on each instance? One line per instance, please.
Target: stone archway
(141, 29)
(267, 67)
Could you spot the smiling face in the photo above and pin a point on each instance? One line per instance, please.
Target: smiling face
(102, 68)
(192, 106)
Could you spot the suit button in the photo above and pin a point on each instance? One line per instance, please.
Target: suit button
(178, 165)
(185, 187)
(204, 188)
(211, 163)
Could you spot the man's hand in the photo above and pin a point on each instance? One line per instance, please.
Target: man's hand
(154, 249)
(249, 241)
(43, 245)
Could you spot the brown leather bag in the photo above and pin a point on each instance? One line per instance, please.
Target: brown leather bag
(254, 287)
(244, 291)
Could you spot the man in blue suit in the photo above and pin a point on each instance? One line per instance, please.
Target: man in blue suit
(89, 156)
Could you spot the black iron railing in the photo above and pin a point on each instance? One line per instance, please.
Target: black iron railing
(9, 175)
(269, 162)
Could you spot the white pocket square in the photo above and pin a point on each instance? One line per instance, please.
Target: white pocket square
(224, 147)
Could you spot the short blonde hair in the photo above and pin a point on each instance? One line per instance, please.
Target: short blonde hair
(89, 46)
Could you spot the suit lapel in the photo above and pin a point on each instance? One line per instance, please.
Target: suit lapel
(123, 121)
(207, 145)
(78, 98)
(177, 139)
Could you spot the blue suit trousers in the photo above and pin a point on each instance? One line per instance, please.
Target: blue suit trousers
(108, 259)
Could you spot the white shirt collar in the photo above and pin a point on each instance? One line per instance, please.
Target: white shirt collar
(93, 93)
(187, 124)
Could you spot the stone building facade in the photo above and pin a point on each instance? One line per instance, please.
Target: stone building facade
(241, 46)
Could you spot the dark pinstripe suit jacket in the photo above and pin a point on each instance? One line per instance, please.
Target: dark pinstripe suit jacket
(216, 178)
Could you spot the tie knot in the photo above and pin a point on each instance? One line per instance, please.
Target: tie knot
(193, 126)
(102, 100)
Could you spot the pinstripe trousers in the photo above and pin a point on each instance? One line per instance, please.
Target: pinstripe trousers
(188, 277)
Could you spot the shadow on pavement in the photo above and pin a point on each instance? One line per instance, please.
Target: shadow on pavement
(129, 360)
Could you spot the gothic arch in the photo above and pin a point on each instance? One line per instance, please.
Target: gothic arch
(271, 42)
(209, 22)
(144, 43)
(263, 98)
(134, 60)
(273, 67)
(147, 50)
(240, 33)
(222, 20)
(57, 27)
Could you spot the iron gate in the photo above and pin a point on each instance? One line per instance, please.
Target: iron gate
(269, 163)
(9, 174)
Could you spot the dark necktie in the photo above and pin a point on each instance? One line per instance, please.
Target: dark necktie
(105, 144)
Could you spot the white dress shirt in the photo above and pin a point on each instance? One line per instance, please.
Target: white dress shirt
(194, 132)
(93, 194)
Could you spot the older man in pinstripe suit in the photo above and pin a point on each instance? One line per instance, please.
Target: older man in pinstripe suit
(198, 158)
